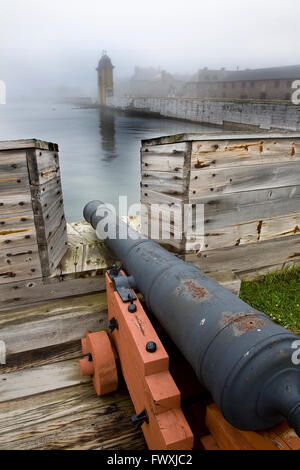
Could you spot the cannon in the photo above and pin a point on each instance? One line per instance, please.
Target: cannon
(245, 360)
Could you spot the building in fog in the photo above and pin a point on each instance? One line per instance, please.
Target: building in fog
(105, 78)
(273, 83)
(152, 81)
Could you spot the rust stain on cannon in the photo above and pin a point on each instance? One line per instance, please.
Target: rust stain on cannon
(195, 290)
(242, 322)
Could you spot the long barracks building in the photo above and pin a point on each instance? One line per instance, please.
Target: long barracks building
(273, 83)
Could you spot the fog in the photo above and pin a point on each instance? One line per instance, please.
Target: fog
(49, 44)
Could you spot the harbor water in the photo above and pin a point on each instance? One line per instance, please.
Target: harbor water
(99, 148)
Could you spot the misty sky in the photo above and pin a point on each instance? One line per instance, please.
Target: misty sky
(46, 44)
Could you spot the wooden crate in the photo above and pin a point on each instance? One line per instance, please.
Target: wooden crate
(246, 186)
(33, 236)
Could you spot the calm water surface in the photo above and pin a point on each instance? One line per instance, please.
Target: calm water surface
(99, 149)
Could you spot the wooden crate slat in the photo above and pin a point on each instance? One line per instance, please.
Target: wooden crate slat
(170, 163)
(250, 232)
(255, 256)
(220, 136)
(52, 253)
(45, 195)
(16, 202)
(48, 222)
(244, 178)
(13, 164)
(14, 184)
(230, 153)
(148, 196)
(229, 209)
(19, 263)
(17, 230)
(43, 166)
(171, 182)
(27, 144)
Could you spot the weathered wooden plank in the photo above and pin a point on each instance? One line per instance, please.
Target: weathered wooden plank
(19, 201)
(85, 232)
(69, 418)
(85, 258)
(21, 293)
(45, 195)
(229, 209)
(252, 256)
(52, 253)
(85, 251)
(130, 441)
(51, 323)
(255, 274)
(17, 230)
(166, 213)
(162, 163)
(283, 226)
(41, 379)
(49, 221)
(13, 184)
(230, 153)
(43, 356)
(27, 143)
(13, 164)
(251, 232)
(178, 138)
(43, 166)
(159, 181)
(19, 263)
(244, 178)
(148, 196)
(164, 157)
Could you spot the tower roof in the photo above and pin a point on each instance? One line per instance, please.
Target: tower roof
(104, 61)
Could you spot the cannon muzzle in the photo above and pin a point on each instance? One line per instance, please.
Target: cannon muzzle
(239, 354)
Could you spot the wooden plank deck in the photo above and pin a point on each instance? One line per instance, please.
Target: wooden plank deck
(46, 404)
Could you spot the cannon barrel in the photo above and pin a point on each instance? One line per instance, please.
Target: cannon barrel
(239, 354)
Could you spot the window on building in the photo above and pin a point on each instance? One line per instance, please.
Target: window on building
(252, 84)
(276, 83)
(263, 95)
(233, 84)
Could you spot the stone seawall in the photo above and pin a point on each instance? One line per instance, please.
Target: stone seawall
(242, 114)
